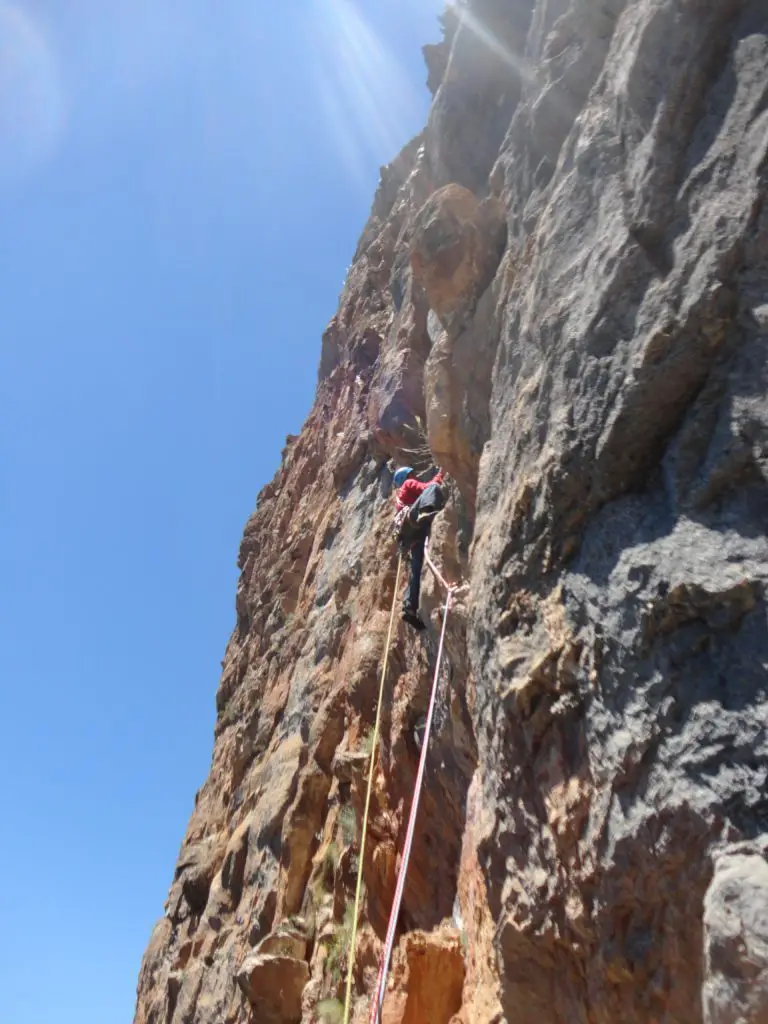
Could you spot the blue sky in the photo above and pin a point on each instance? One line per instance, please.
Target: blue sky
(182, 185)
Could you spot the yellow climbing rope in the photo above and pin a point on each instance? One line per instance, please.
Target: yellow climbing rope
(371, 766)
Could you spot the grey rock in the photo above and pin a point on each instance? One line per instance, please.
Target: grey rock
(736, 937)
(621, 515)
(479, 92)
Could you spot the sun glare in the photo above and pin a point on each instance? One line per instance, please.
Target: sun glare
(32, 109)
(515, 61)
(369, 103)
(368, 100)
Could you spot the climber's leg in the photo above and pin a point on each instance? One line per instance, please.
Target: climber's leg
(411, 603)
(417, 564)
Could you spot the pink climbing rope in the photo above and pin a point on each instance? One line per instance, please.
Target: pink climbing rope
(381, 983)
(440, 579)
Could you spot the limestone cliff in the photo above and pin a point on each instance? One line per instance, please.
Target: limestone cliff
(564, 282)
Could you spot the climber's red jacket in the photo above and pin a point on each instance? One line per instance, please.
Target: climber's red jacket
(411, 489)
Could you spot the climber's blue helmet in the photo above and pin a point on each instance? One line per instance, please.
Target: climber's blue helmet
(402, 475)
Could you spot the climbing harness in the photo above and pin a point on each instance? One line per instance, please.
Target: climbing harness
(371, 766)
(381, 984)
(397, 522)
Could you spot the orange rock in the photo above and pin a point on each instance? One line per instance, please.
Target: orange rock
(458, 243)
(426, 980)
(273, 985)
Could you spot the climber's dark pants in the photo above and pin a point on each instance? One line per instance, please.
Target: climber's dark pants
(414, 536)
(417, 564)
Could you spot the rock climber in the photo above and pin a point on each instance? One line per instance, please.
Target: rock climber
(417, 505)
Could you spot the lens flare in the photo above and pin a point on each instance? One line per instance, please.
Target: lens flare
(32, 109)
(370, 103)
(513, 60)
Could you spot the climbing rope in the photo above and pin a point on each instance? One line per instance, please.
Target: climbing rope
(371, 766)
(386, 956)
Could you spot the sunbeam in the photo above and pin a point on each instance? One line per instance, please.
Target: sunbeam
(513, 60)
(369, 101)
(32, 107)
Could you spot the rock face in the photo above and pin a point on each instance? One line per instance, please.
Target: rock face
(273, 986)
(427, 980)
(736, 936)
(457, 245)
(562, 297)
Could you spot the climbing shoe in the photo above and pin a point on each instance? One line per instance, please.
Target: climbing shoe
(412, 617)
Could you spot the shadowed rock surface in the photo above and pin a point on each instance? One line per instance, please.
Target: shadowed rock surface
(563, 291)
